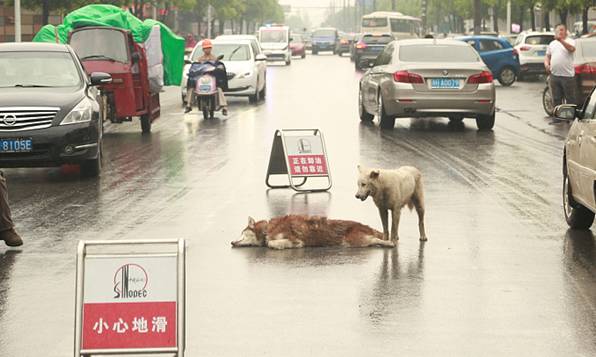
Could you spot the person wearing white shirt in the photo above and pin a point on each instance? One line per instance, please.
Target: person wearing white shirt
(559, 63)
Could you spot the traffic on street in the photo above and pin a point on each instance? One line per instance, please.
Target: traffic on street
(455, 220)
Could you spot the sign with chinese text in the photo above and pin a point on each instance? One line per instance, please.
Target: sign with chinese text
(129, 302)
(299, 154)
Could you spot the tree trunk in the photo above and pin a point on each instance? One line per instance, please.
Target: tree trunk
(547, 20)
(521, 18)
(563, 16)
(585, 19)
(222, 26)
(533, 18)
(496, 18)
(477, 16)
(45, 12)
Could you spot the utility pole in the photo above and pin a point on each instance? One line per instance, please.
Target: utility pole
(374, 5)
(509, 16)
(477, 16)
(209, 29)
(17, 20)
(394, 5)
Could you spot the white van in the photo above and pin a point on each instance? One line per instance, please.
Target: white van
(275, 42)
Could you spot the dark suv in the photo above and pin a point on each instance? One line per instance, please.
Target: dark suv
(325, 39)
(49, 108)
(368, 48)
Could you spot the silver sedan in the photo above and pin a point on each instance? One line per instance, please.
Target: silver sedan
(428, 78)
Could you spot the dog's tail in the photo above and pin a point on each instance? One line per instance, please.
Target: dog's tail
(418, 195)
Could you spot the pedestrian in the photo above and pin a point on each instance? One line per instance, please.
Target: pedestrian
(559, 63)
(207, 56)
(7, 231)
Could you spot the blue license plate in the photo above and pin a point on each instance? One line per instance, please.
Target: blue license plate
(204, 88)
(16, 145)
(444, 83)
(541, 53)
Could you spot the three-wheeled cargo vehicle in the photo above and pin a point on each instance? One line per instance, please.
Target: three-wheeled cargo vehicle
(112, 50)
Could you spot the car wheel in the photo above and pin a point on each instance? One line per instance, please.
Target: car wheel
(263, 92)
(547, 102)
(146, 123)
(356, 65)
(385, 121)
(92, 168)
(289, 61)
(303, 55)
(507, 76)
(315, 51)
(253, 99)
(576, 215)
(364, 115)
(485, 122)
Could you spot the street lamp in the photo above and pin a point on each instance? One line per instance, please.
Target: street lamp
(17, 20)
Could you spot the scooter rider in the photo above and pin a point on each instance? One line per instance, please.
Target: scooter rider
(206, 57)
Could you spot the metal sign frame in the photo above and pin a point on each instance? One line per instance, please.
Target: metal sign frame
(279, 167)
(180, 254)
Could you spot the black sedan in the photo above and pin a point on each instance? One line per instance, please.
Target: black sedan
(368, 48)
(50, 113)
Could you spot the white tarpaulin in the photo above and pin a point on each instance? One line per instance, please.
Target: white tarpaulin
(154, 59)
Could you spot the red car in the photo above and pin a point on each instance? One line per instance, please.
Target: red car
(298, 46)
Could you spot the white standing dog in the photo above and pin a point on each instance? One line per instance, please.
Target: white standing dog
(391, 190)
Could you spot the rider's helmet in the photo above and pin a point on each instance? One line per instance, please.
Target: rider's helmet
(207, 43)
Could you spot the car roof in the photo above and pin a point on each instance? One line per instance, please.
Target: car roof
(236, 37)
(232, 40)
(480, 37)
(431, 41)
(535, 33)
(33, 46)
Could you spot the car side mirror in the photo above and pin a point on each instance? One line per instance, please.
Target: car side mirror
(99, 78)
(260, 57)
(566, 111)
(220, 57)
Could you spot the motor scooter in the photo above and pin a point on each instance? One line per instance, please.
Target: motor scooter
(208, 77)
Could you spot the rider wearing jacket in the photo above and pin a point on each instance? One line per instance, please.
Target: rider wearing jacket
(206, 57)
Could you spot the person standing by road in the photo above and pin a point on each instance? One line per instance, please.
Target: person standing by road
(7, 231)
(559, 63)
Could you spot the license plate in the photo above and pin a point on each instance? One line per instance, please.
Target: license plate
(204, 88)
(540, 53)
(444, 83)
(16, 145)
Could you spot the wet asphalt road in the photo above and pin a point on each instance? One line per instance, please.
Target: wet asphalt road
(500, 275)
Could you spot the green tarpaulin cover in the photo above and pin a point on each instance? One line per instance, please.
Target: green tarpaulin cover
(109, 15)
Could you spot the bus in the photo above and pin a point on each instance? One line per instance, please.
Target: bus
(399, 25)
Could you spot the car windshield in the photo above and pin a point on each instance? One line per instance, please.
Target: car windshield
(589, 48)
(100, 44)
(437, 53)
(373, 40)
(230, 52)
(540, 39)
(375, 22)
(324, 33)
(274, 36)
(38, 69)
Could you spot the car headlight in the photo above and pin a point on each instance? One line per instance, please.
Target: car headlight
(245, 75)
(81, 113)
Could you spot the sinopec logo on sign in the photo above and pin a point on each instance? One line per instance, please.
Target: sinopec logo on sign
(130, 282)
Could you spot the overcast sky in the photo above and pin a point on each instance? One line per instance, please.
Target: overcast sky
(316, 9)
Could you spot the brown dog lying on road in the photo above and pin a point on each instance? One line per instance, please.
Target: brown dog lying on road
(303, 231)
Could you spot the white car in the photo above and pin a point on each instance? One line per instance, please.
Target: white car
(247, 69)
(531, 48)
(275, 41)
(254, 41)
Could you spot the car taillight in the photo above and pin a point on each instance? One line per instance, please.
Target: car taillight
(482, 77)
(361, 45)
(525, 48)
(585, 69)
(407, 77)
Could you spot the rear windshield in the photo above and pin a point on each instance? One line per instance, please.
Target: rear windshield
(437, 53)
(371, 40)
(274, 36)
(323, 33)
(375, 22)
(540, 39)
(589, 48)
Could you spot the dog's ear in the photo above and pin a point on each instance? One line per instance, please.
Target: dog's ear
(251, 222)
(374, 174)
